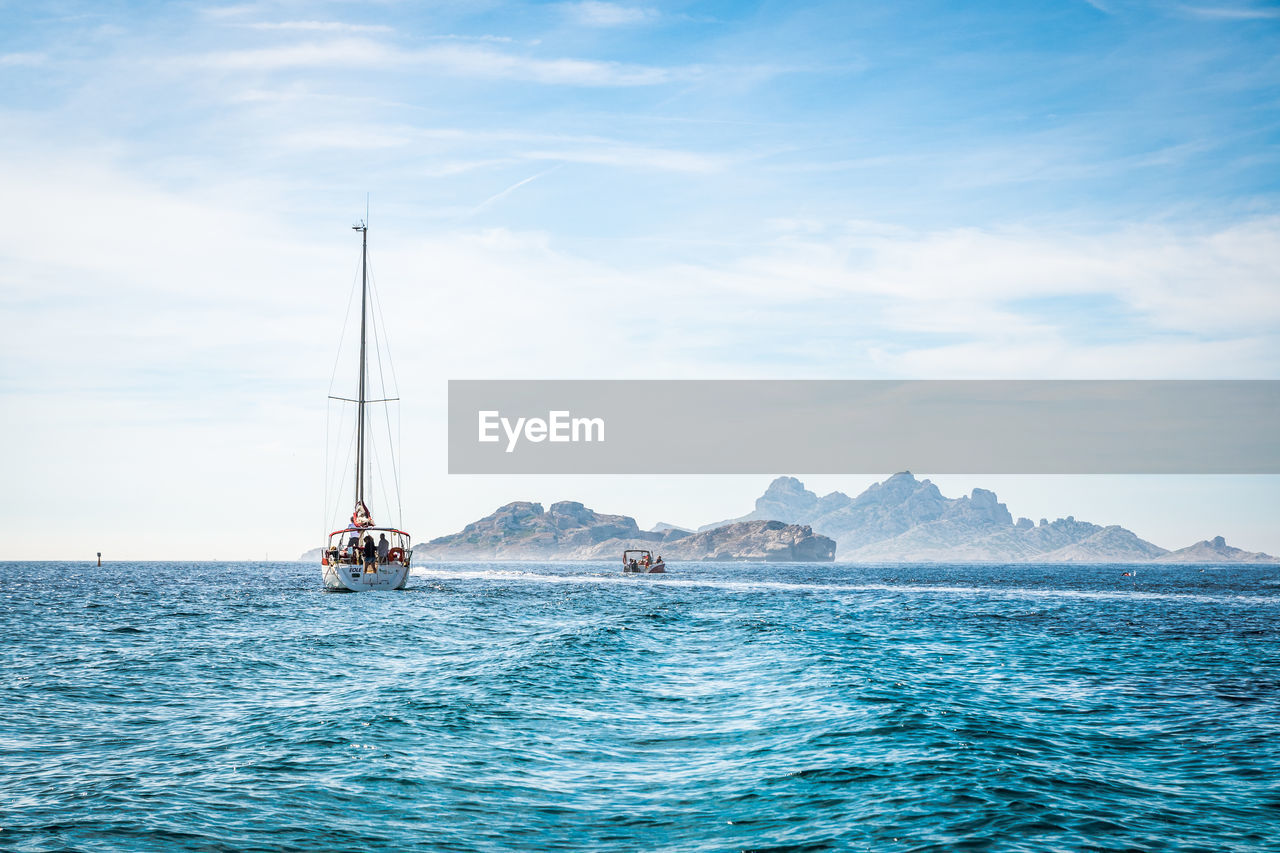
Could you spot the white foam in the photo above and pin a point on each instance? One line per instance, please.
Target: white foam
(784, 586)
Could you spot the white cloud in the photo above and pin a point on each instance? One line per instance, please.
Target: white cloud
(457, 59)
(1200, 282)
(335, 53)
(484, 63)
(320, 26)
(594, 13)
(194, 331)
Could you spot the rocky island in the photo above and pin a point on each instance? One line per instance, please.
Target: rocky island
(570, 531)
(1215, 550)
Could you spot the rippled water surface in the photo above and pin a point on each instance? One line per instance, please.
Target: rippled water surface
(236, 706)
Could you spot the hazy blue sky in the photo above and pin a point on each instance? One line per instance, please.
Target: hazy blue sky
(595, 190)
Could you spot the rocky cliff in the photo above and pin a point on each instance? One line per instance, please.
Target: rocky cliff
(904, 520)
(770, 541)
(570, 531)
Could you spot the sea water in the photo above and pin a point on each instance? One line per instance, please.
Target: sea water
(493, 707)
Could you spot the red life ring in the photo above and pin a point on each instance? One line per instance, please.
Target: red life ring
(395, 555)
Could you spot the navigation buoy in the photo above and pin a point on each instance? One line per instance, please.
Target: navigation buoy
(99, 558)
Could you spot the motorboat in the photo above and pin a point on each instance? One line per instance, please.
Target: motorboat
(641, 561)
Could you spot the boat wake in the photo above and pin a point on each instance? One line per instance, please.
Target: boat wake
(732, 585)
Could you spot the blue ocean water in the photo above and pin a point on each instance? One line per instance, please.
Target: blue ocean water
(491, 707)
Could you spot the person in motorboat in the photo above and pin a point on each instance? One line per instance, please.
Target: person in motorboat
(633, 566)
(644, 561)
(383, 547)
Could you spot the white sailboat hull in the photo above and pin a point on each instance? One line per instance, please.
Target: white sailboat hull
(390, 576)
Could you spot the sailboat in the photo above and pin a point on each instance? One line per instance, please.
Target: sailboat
(363, 555)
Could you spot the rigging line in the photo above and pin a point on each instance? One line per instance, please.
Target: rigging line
(395, 380)
(391, 446)
(395, 465)
(382, 344)
(379, 343)
(335, 483)
(382, 320)
(341, 474)
(346, 319)
(337, 496)
(333, 375)
(382, 480)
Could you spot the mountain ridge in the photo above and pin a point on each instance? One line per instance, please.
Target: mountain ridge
(900, 519)
(904, 519)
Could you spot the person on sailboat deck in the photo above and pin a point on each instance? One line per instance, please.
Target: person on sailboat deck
(370, 551)
(383, 547)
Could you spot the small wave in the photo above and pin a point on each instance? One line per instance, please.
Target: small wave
(789, 586)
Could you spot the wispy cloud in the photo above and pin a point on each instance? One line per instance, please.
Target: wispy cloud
(480, 37)
(1233, 13)
(479, 62)
(319, 26)
(482, 149)
(339, 53)
(631, 157)
(509, 190)
(345, 137)
(595, 13)
(458, 59)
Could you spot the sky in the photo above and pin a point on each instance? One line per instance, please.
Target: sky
(605, 190)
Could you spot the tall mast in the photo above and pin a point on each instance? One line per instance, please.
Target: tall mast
(363, 228)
